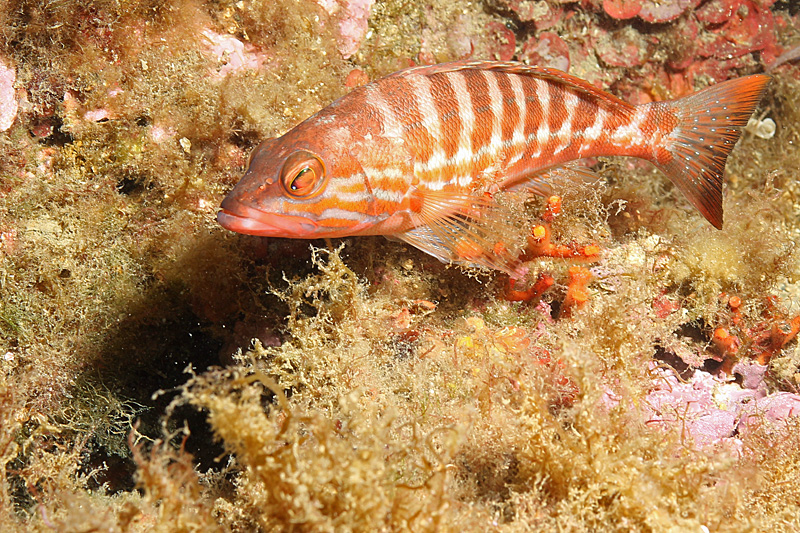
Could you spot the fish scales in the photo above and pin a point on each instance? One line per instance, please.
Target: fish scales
(431, 122)
(553, 117)
(418, 154)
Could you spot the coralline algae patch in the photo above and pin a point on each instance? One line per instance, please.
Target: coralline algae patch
(708, 41)
(643, 375)
(353, 23)
(713, 412)
(648, 10)
(8, 100)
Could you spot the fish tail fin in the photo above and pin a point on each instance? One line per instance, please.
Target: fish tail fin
(709, 124)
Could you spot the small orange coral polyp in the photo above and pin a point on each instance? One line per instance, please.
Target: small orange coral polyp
(541, 245)
(735, 304)
(577, 293)
(539, 232)
(725, 343)
(779, 336)
(544, 282)
(553, 208)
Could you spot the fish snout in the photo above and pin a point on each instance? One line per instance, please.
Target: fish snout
(235, 216)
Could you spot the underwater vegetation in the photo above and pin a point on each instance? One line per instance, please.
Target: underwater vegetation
(158, 373)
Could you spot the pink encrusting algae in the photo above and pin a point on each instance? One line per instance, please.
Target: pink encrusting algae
(715, 410)
(419, 154)
(8, 98)
(352, 27)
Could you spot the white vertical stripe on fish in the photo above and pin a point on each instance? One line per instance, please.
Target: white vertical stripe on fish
(421, 86)
(496, 104)
(465, 153)
(542, 134)
(390, 124)
(631, 132)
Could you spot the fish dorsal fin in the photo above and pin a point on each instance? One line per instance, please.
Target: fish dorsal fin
(512, 67)
(466, 228)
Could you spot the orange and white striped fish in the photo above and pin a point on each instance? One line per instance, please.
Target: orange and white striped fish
(418, 154)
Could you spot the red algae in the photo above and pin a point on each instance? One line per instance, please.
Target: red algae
(546, 49)
(505, 43)
(622, 9)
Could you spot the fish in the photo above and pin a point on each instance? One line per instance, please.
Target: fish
(421, 154)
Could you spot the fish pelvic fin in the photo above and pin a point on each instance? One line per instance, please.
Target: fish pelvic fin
(466, 228)
(709, 124)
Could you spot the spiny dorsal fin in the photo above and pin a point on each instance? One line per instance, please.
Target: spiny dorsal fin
(512, 67)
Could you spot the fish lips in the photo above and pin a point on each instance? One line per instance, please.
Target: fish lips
(242, 219)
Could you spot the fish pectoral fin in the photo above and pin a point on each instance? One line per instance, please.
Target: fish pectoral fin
(464, 228)
(546, 182)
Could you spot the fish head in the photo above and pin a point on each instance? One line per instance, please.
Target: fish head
(295, 189)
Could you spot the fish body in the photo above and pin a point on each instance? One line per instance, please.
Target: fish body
(417, 155)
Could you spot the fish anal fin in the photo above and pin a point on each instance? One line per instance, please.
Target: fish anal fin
(551, 180)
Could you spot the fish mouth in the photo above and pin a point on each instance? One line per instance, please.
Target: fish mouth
(243, 219)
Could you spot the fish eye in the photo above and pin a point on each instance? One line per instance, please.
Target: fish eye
(303, 175)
